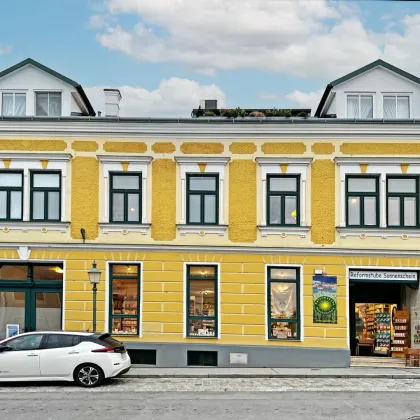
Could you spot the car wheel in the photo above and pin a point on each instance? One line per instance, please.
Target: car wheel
(89, 375)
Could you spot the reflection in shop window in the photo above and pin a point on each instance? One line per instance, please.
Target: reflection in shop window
(283, 301)
(12, 310)
(125, 299)
(202, 301)
(13, 272)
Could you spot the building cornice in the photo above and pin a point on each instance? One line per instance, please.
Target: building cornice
(376, 160)
(63, 157)
(279, 160)
(124, 158)
(186, 160)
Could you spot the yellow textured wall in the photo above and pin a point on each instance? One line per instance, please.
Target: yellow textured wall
(34, 145)
(283, 148)
(323, 148)
(243, 148)
(85, 197)
(84, 146)
(163, 147)
(125, 147)
(163, 200)
(242, 201)
(396, 148)
(323, 202)
(202, 148)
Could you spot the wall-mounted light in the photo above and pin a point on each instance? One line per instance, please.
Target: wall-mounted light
(318, 272)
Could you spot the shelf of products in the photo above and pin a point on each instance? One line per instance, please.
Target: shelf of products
(400, 341)
(383, 332)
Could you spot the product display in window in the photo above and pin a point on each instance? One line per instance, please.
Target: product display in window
(283, 300)
(201, 298)
(124, 326)
(284, 330)
(124, 297)
(202, 328)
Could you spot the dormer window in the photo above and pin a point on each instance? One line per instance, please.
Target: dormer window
(359, 106)
(396, 107)
(48, 104)
(13, 104)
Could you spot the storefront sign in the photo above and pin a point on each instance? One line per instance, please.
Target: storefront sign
(12, 330)
(383, 275)
(325, 299)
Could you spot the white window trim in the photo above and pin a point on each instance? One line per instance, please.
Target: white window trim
(359, 94)
(14, 92)
(396, 94)
(36, 91)
(115, 164)
(295, 166)
(28, 162)
(375, 166)
(213, 165)
(186, 306)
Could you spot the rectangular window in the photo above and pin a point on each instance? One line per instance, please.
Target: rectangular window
(46, 196)
(202, 199)
(396, 106)
(125, 197)
(11, 195)
(13, 104)
(283, 200)
(283, 302)
(125, 299)
(362, 194)
(359, 106)
(402, 201)
(202, 304)
(48, 104)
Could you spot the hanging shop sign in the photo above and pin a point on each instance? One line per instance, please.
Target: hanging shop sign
(325, 299)
(384, 275)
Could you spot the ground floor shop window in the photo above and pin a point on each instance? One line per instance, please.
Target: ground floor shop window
(125, 299)
(202, 301)
(283, 303)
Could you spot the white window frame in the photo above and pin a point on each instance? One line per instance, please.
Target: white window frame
(359, 94)
(48, 91)
(295, 166)
(134, 164)
(14, 92)
(397, 94)
(191, 165)
(27, 162)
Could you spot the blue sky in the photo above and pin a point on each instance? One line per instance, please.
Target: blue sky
(166, 54)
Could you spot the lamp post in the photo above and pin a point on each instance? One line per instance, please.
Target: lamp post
(94, 278)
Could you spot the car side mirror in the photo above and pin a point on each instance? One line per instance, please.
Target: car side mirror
(4, 348)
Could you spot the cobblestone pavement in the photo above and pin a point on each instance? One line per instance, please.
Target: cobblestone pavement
(227, 385)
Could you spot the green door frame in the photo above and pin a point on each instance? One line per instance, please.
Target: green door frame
(32, 305)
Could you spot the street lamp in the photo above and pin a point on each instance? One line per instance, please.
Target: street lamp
(94, 278)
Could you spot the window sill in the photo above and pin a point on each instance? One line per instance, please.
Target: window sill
(284, 231)
(42, 226)
(383, 233)
(125, 229)
(202, 230)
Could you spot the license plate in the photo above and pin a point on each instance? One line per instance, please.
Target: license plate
(124, 356)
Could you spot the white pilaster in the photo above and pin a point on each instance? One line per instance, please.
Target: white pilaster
(221, 200)
(343, 202)
(106, 197)
(64, 217)
(303, 203)
(26, 194)
(382, 200)
(144, 200)
(263, 201)
(183, 200)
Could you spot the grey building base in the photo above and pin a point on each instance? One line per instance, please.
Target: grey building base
(173, 355)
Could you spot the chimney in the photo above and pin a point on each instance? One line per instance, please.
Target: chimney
(112, 102)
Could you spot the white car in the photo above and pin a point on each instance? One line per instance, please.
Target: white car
(85, 358)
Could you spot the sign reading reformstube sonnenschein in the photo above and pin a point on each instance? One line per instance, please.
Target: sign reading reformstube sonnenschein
(384, 275)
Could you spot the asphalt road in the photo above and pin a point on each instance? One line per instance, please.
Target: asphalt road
(63, 405)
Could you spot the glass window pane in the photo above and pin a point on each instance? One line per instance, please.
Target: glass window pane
(41, 104)
(117, 207)
(283, 300)
(20, 104)
(202, 271)
(366, 107)
(390, 108)
(124, 326)
(49, 272)
(209, 209)
(10, 180)
(7, 104)
(12, 311)
(53, 205)
(57, 341)
(353, 106)
(123, 182)
(202, 297)
(133, 208)
(202, 183)
(403, 107)
(283, 184)
(202, 327)
(353, 211)
(55, 105)
(275, 210)
(48, 311)
(3, 204)
(370, 211)
(127, 270)
(46, 180)
(38, 205)
(290, 204)
(393, 211)
(362, 184)
(410, 211)
(195, 209)
(283, 273)
(26, 342)
(15, 204)
(402, 185)
(124, 296)
(283, 330)
(13, 272)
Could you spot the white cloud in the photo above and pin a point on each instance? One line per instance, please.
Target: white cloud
(174, 97)
(306, 100)
(316, 39)
(5, 49)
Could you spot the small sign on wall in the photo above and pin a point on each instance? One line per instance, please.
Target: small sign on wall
(12, 330)
(325, 299)
(239, 358)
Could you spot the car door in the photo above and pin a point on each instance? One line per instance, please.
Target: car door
(59, 355)
(23, 358)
